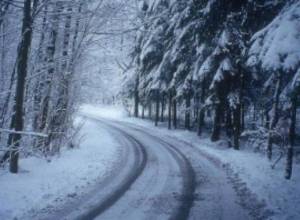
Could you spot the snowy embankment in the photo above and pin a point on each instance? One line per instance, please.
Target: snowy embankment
(42, 185)
(245, 169)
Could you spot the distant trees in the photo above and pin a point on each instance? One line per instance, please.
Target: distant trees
(221, 66)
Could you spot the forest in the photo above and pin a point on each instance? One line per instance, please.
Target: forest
(229, 68)
(119, 99)
(42, 47)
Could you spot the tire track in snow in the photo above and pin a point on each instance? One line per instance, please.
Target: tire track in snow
(114, 196)
(187, 197)
(189, 183)
(257, 209)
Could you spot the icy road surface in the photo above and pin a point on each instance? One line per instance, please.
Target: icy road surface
(160, 178)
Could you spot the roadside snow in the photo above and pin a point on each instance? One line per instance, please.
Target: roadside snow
(249, 168)
(41, 184)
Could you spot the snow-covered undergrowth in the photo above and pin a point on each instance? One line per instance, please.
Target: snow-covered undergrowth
(41, 184)
(248, 169)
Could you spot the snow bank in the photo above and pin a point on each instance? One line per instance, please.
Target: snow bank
(41, 184)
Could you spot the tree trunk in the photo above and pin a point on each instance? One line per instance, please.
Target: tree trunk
(143, 111)
(267, 117)
(187, 119)
(136, 98)
(59, 121)
(292, 135)
(217, 123)
(22, 59)
(237, 127)
(242, 116)
(170, 111)
(275, 116)
(150, 110)
(228, 122)
(174, 113)
(50, 52)
(200, 121)
(40, 60)
(157, 108)
(163, 104)
(201, 112)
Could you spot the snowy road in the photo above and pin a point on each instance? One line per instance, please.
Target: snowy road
(157, 178)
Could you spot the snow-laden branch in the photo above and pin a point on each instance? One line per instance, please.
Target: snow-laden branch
(27, 133)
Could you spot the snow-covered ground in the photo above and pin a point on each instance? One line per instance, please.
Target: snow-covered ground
(247, 169)
(41, 184)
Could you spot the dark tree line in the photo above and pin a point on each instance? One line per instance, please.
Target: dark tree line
(221, 67)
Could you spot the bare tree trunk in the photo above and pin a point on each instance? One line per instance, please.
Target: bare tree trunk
(22, 59)
(242, 116)
(59, 121)
(228, 121)
(188, 111)
(267, 117)
(50, 52)
(217, 123)
(174, 113)
(170, 111)
(162, 108)
(238, 114)
(150, 110)
(292, 135)
(157, 108)
(237, 127)
(201, 112)
(143, 111)
(136, 98)
(275, 115)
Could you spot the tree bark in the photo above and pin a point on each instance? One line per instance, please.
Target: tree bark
(237, 127)
(188, 112)
(59, 121)
(174, 113)
(136, 98)
(22, 60)
(50, 52)
(170, 111)
(229, 123)
(162, 108)
(157, 108)
(217, 123)
(275, 115)
(292, 135)
(150, 110)
(143, 111)
(201, 112)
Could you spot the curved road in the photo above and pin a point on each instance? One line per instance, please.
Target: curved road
(158, 177)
